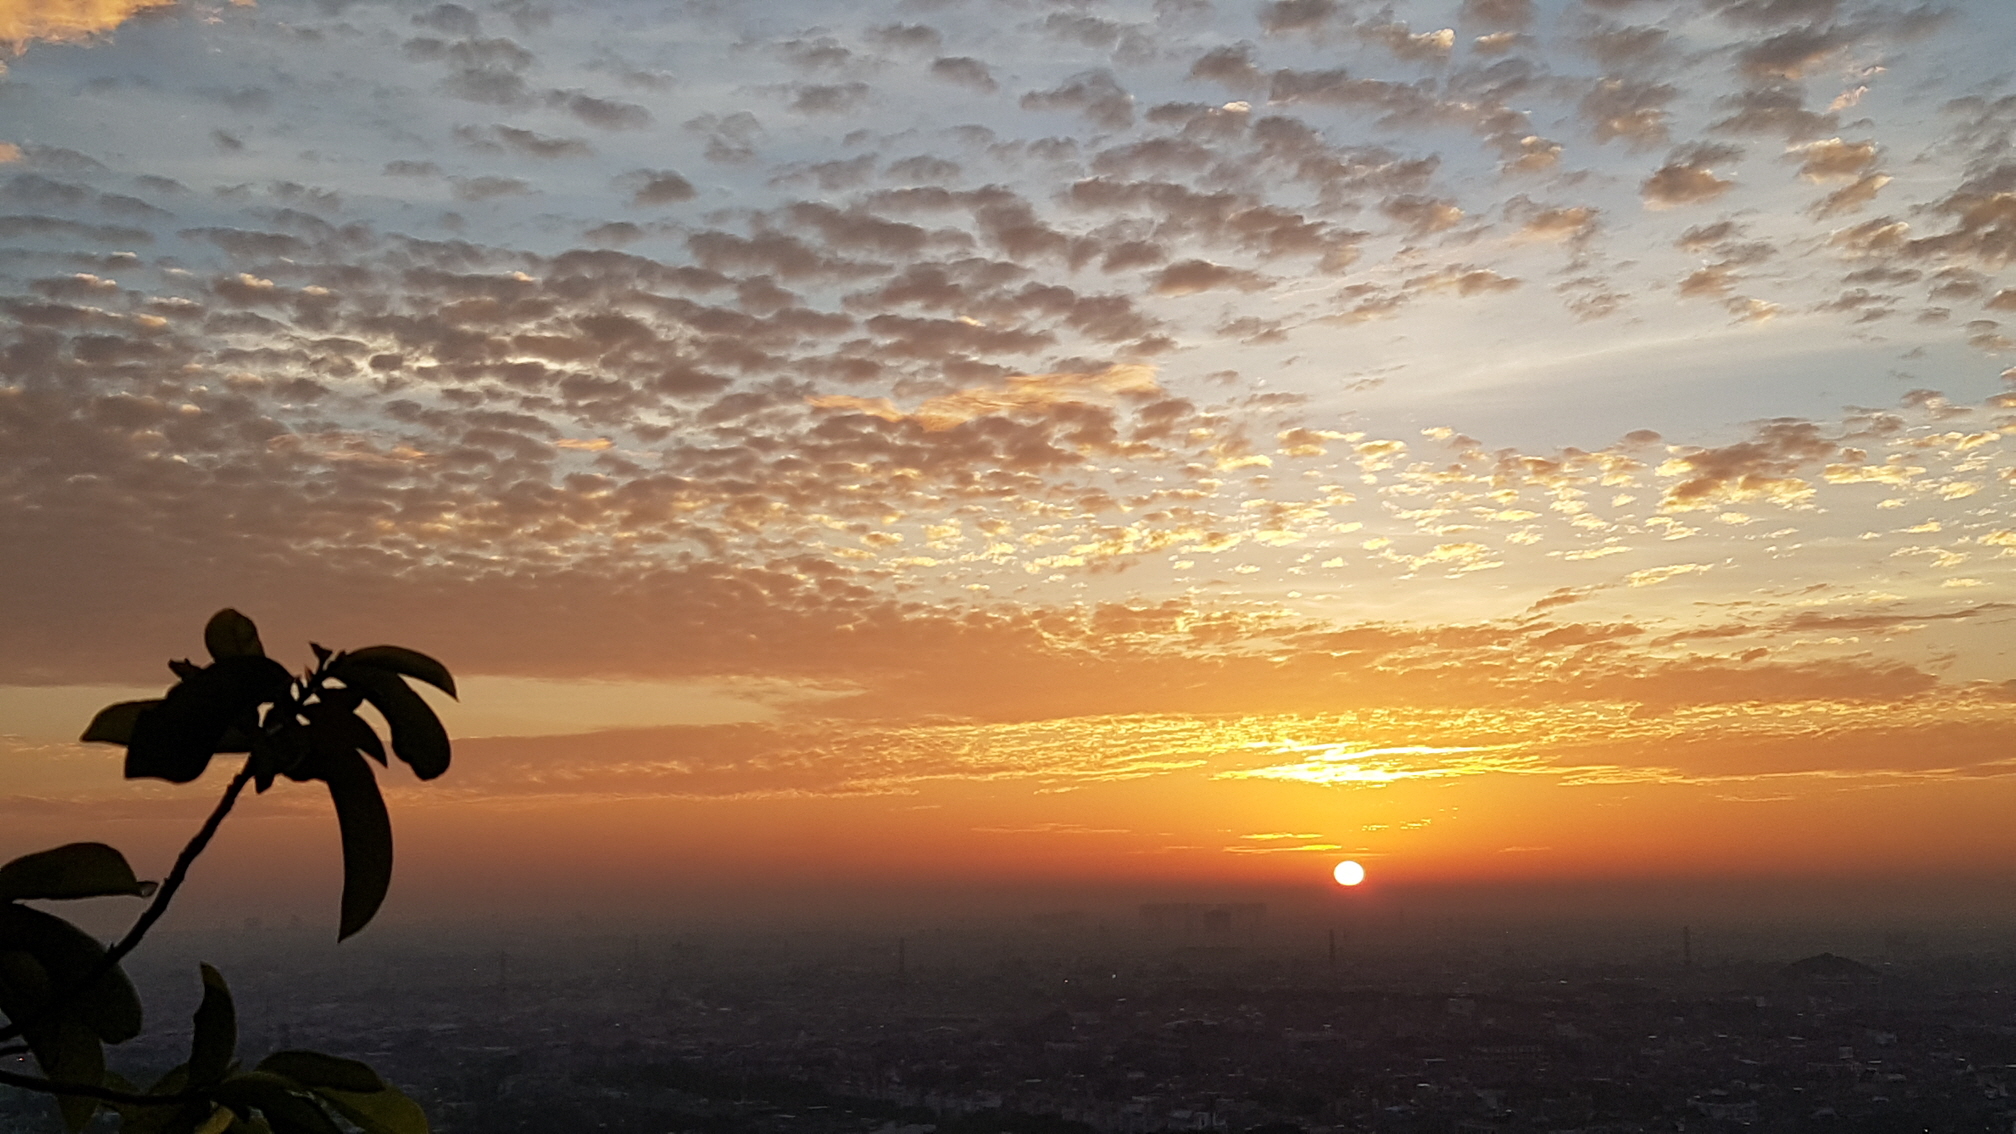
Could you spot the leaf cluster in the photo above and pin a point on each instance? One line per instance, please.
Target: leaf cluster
(304, 729)
(64, 994)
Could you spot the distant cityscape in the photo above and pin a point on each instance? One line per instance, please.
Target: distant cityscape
(1168, 1017)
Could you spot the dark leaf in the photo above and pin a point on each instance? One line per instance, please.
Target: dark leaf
(284, 751)
(349, 699)
(230, 634)
(174, 1082)
(322, 652)
(216, 1038)
(379, 1112)
(24, 984)
(64, 1046)
(136, 1118)
(79, 870)
(314, 1069)
(412, 663)
(417, 735)
(367, 837)
(275, 1098)
(69, 956)
(72, 1054)
(175, 739)
(114, 723)
(338, 727)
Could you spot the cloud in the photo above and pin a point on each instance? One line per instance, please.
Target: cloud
(1634, 111)
(1539, 222)
(1652, 576)
(1779, 110)
(601, 113)
(1192, 276)
(1835, 160)
(66, 21)
(1498, 13)
(1792, 54)
(1095, 94)
(1022, 394)
(488, 188)
(1421, 215)
(965, 71)
(652, 187)
(1279, 17)
(1617, 47)
(731, 138)
(1688, 178)
(828, 98)
(1758, 469)
(907, 37)
(500, 139)
(1851, 198)
(1409, 45)
(1231, 66)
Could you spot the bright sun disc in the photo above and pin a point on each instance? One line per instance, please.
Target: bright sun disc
(1348, 873)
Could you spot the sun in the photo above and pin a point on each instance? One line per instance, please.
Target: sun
(1348, 873)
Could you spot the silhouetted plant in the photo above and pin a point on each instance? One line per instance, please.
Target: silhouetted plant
(63, 993)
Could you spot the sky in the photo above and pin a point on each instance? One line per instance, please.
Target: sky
(946, 442)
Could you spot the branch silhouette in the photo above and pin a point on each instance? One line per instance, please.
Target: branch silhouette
(64, 994)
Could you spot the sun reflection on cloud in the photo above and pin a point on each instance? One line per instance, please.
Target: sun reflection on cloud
(1351, 762)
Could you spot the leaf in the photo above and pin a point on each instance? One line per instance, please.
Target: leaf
(139, 1118)
(175, 739)
(338, 726)
(79, 870)
(285, 750)
(379, 1112)
(417, 735)
(24, 983)
(72, 1055)
(216, 1039)
(69, 956)
(314, 1069)
(412, 663)
(230, 634)
(114, 723)
(65, 1046)
(367, 837)
(274, 1097)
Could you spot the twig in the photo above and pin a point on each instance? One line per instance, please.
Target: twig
(102, 1094)
(153, 912)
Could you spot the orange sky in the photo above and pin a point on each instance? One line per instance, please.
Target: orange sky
(1569, 442)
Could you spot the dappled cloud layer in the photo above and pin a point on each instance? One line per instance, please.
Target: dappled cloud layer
(1309, 393)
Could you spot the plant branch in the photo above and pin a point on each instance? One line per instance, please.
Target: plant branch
(176, 876)
(102, 1094)
(154, 910)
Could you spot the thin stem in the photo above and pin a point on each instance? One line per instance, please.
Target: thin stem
(102, 1094)
(154, 910)
(176, 876)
